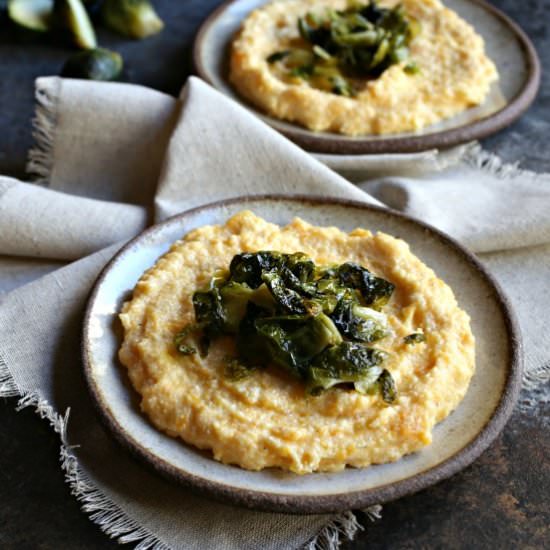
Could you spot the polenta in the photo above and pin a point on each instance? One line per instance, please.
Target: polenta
(268, 419)
(451, 69)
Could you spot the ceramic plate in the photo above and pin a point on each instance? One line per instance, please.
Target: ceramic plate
(457, 441)
(506, 45)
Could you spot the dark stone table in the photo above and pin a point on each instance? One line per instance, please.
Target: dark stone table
(501, 501)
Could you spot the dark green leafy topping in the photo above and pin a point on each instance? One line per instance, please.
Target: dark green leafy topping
(387, 386)
(312, 321)
(294, 340)
(346, 362)
(285, 297)
(375, 291)
(415, 338)
(359, 323)
(343, 47)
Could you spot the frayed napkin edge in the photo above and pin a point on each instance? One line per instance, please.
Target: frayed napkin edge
(114, 521)
(40, 159)
(100, 509)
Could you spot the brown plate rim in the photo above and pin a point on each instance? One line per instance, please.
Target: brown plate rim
(444, 139)
(317, 504)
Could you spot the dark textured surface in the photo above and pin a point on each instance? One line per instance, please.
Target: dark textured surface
(501, 501)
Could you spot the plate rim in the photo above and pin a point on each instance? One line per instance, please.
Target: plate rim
(328, 503)
(477, 129)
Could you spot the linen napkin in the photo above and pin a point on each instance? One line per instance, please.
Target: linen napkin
(113, 156)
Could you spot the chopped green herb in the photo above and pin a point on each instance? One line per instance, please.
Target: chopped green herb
(412, 68)
(234, 370)
(414, 338)
(181, 338)
(313, 321)
(387, 386)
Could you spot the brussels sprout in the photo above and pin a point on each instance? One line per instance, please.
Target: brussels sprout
(375, 291)
(294, 340)
(347, 362)
(286, 297)
(34, 15)
(72, 16)
(248, 267)
(235, 298)
(132, 18)
(359, 323)
(98, 64)
(284, 310)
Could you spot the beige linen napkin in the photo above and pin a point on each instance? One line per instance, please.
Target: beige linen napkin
(115, 144)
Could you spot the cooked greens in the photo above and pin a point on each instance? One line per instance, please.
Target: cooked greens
(313, 321)
(339, 49)
(415, 338)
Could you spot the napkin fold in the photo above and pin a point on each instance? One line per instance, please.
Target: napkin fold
(113, 155)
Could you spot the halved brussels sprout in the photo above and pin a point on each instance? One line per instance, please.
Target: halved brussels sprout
(97, 64)
(72, 16)
(133, 18)
(31, 14)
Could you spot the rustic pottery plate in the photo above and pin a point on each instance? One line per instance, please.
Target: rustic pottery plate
(506, 44)
(457, 441)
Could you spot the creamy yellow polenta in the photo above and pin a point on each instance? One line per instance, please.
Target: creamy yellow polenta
(455, 72)
(267, 419)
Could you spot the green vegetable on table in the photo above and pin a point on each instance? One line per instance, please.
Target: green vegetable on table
(97, 64)
(342, 48)
(132, 18)
(313, 321)
(70, 18)
(35, 15)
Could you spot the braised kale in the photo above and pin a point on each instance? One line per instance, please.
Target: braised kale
(313, 321)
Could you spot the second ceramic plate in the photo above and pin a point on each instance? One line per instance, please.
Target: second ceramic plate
(506, 45)
(457, 440)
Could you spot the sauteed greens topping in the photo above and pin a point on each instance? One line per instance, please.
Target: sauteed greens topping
(338, 50)
(313, 321)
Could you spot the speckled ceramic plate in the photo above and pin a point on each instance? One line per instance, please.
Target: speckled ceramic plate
(506, 45)
(457, 441)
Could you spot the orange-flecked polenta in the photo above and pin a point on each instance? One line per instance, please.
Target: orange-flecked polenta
(455, 73)
(267, 419)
